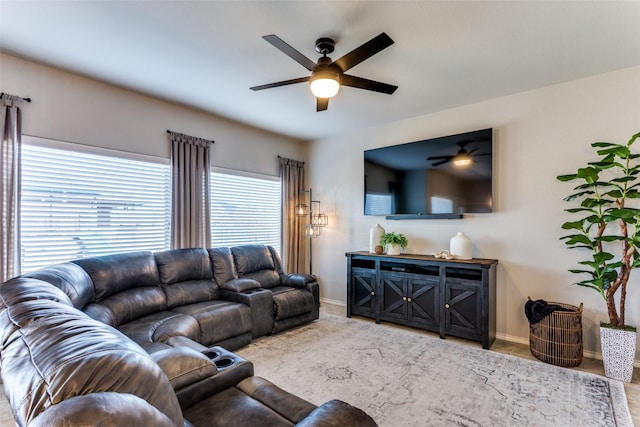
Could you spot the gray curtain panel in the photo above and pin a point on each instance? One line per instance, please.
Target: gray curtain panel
(10, 159)
(294, 245)
(190, 201)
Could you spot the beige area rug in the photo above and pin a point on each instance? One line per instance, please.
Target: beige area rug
(404, 378)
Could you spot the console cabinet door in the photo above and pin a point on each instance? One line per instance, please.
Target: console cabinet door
(423, 302)
(410, 298)
(463, 307)
(393, 296)
(365, 299)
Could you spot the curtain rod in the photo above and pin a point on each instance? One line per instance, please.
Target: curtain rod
(280, 157)
(25, 99)
(196, 137)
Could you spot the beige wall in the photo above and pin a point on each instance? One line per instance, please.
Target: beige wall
(538, 135)
(71, 108)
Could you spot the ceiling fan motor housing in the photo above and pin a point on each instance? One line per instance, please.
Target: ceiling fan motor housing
(325, 45)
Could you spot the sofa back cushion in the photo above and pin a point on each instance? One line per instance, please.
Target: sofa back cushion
(224, 268)
(20, 290)
(57, 352)
(179, 265)
(112, 274)
(256, 262)
(71, 279)
(186, 276)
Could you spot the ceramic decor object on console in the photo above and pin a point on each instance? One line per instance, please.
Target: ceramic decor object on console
(375, 234)
(460, 246)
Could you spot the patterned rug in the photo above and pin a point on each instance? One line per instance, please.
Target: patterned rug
(406, 378)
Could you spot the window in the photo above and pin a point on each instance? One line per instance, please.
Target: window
(79, 202)
(245, 209)
(441, 205)
(378, 204)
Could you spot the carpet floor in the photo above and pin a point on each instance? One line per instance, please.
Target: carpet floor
(404, 378)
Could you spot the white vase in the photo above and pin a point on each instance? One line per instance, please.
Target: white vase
(460, 246)
(393, 249)
(375, 234)
(618, 352)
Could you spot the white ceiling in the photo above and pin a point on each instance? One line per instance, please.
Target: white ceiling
(207, 54)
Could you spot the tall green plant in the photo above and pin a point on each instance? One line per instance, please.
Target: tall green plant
(606, 224)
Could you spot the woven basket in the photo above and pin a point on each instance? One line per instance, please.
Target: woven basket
(557, 339)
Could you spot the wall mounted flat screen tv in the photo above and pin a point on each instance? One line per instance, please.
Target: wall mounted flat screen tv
(440, 177)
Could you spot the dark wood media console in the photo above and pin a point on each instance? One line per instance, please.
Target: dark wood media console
(451, 297)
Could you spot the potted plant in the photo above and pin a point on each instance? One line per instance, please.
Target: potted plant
(608, 230)
(393, 242)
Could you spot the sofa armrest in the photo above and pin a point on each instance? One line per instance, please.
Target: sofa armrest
(290, 406)
(337, 413)
(261, 302)
(241, 285)
(228, 376)
(184, 366)
(296, 280)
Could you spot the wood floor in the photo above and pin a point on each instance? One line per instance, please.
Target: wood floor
(522, 350)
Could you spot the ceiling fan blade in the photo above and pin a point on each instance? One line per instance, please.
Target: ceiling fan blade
(439, 158)
(367, 84)
(291, 52)
(441, 162)
(363, 52)
(481, 154)
(282, 83)
(322, 104)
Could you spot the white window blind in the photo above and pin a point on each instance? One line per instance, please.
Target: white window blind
(77, 204)
(245, 209)
(378, 204)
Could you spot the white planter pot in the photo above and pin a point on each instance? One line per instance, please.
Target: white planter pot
(618, 352)
(393, 249)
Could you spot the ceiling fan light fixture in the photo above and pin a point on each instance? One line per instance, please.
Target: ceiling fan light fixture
(462, 160)
(324, 84)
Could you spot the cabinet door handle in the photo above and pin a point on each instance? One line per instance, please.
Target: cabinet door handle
(446, 306)
(404, 298)
(373, 293)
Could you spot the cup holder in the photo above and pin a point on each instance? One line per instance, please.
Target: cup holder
(211, 354)
(224, 362)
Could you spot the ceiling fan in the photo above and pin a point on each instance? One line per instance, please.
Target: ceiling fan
(326, 75)
(462, 158)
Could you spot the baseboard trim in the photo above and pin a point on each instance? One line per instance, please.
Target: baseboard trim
(333, 302)
(587, 353)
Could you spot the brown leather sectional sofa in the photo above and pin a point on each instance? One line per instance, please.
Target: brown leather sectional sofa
(145, 339)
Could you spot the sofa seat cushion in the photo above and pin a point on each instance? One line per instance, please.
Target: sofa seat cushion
(290, 302)
(159, 327)
(233, 408)
(191, 291)
(219, 320)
